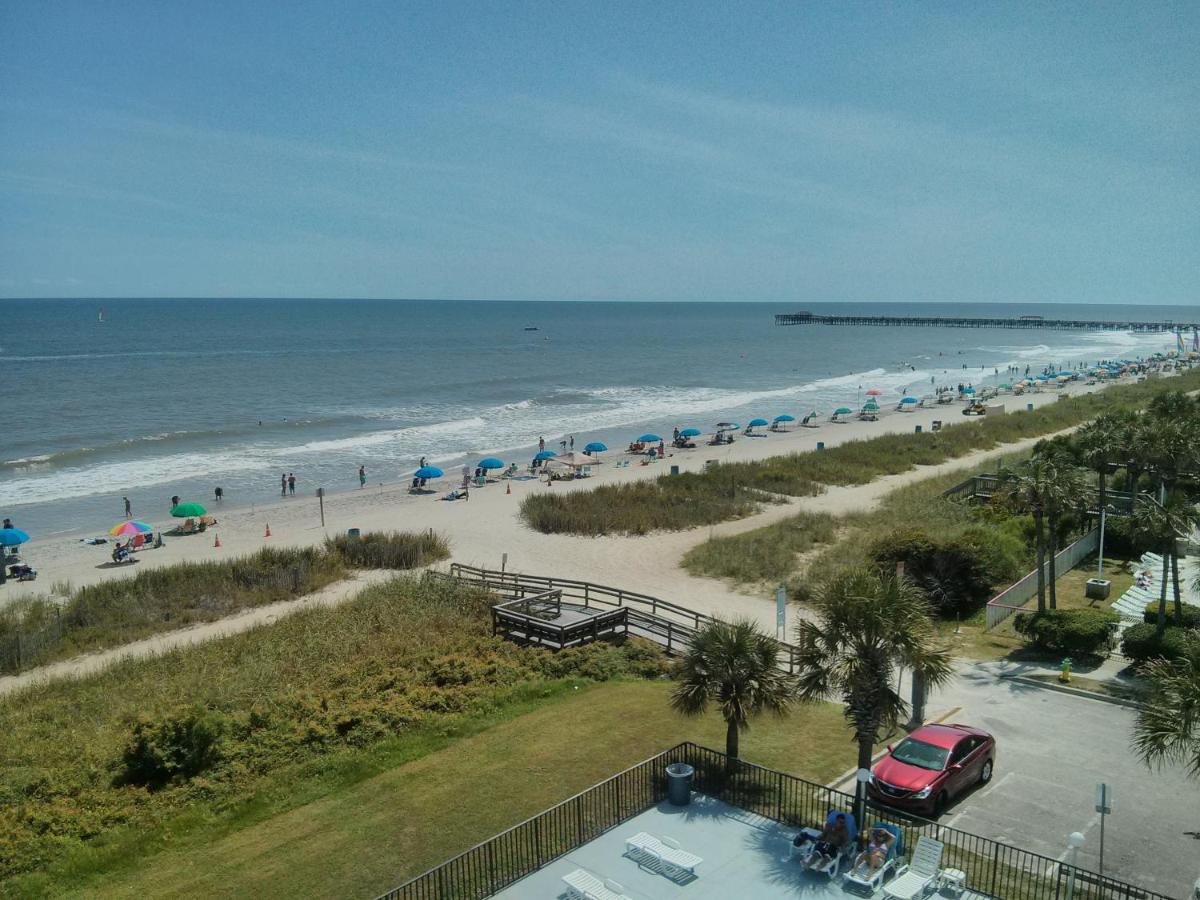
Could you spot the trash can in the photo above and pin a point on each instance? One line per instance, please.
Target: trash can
(1028, 407)
(674, 470)
(820, 445)
(679, 784)
(353, 532)
(918, 431)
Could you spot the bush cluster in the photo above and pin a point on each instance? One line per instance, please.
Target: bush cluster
(174, 747)
(1142, 642)
(1085, 632)
(1189, 619)
(958, 574)
(389, 549)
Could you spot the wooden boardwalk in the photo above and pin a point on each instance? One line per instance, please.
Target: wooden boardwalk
(1020, 322)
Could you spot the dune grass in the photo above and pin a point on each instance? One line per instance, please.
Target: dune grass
(318, 700)
(765, 554)
(669, 503)
(389, 549)
(734, 490)
(362, 837)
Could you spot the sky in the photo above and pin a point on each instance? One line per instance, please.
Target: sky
(582, 150)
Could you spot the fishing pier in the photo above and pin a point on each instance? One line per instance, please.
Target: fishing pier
(1020, 322)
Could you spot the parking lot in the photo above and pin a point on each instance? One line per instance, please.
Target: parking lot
(1052, 750)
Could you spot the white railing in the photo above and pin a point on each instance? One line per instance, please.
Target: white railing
(1014, 598)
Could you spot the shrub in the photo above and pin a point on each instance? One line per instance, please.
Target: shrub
(1189, 619)
(1080, 631)
(174, 748)
(1142, 642)
(954, 574)
(389, 549)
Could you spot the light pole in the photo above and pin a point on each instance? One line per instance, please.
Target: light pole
(860, 795)
(1074, 841)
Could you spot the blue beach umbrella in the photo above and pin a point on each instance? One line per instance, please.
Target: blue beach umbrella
(785, 418)
(546, 454)
(755, 423)
(842, 411)
(10, 537)
(428, 472)
(491, 463)
(649, 438)
(908, 399)
(690, 432)
(969, 390)
(871, 405)
(595, 447)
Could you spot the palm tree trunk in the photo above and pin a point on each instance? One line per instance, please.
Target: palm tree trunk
(918, 700)
(1162, 596)
(1175, 588)
(731, 745)
(1051, 552)
(1041, 561)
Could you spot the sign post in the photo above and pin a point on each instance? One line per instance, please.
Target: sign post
(781, 612)
(321, 500)
(1104, 801)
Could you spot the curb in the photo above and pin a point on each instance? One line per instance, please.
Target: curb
(1075, 692)
(849, 774)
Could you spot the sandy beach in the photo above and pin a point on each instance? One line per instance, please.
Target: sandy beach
(485, 528)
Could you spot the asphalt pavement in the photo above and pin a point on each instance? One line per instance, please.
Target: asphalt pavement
(1052, 751)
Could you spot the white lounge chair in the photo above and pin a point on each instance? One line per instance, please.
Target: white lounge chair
(664, 851)
(583, 885)
(861, 879)
(916, 878)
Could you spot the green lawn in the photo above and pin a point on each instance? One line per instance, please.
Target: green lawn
(369, 836)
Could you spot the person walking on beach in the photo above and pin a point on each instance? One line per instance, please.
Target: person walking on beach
(572, 443)
(292, 483)
(218, 493)
(541, 444)
(282, 484)
(421, 464)
(362, 477)
(174, 501)
(128, 508)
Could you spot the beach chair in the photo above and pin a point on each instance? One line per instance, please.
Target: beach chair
(583, 885)
(859, 879)
(916, 878)
(664, 852)
(832, 867)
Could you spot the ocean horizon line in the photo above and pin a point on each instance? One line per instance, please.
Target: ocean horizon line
(605, 300)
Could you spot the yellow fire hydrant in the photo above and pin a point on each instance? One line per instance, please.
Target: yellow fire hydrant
(1065, 674)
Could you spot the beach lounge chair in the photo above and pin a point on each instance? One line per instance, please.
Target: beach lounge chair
(858, 877)
(583, 885)
(665, 852)
(916, 878)
(832, 867)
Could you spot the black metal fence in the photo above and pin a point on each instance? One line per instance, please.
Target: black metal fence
(992, 868)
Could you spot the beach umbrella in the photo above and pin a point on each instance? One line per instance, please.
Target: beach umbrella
(188, 511)
(842, 411)
(785, 418)
(428, 472)
(871, 405)
(649, 438)
(756, 423)
(968, 390)
(10, 537)
(690, 432)
(130, 528)
(874, 392)
(546, 454)
(727, 426)
(491, 462)
(596, 447)
(908, 400)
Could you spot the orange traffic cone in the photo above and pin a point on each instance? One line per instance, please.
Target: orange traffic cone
(217, 541)
(268, 534)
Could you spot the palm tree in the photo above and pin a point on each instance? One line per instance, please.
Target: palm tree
(868, 625)
(1100, 445)
(733, 665)
(1168, 725)
(1065, 493)
(1028, 486)
(1161, 526)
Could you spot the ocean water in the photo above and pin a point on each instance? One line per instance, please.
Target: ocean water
(172, 397)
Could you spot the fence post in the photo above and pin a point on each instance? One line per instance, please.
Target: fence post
(996, 870)
(668, 637)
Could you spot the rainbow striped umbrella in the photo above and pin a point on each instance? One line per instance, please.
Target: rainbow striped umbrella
(129, 528)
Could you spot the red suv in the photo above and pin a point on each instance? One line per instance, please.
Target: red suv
(931, 766)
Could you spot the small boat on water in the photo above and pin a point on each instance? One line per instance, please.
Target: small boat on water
(531, 328)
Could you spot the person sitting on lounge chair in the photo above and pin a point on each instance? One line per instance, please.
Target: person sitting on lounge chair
(834, 838)
(879, 843)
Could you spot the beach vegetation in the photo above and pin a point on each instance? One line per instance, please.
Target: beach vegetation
(733, 667)
(394, 550)
(767, 554)
(1167, 729)
(866, 626)
(1146, 641)
(1185, 617)
(200, 732)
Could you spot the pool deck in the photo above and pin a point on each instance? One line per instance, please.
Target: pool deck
(745, 855)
